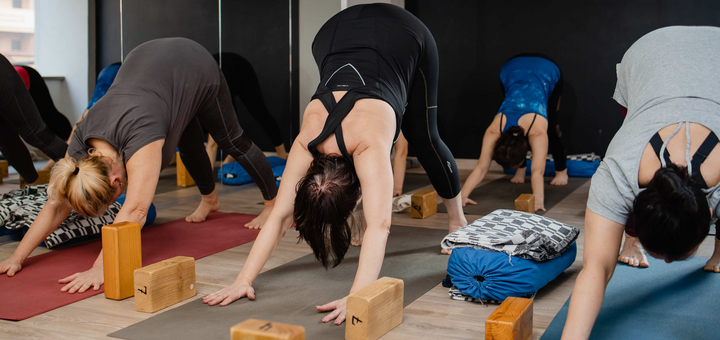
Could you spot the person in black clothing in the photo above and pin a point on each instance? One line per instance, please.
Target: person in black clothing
(379, 69)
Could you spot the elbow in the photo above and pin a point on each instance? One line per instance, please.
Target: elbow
(599, 271)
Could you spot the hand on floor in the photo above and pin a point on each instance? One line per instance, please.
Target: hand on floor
(229, 294)
(338, 308)
(80, 282)
(632, 253)
(258, 222)
(10, 267)
(466, 201)
(539, 206)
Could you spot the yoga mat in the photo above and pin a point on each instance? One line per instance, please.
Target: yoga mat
(501, 194)
(665, 301)
(289, 293)
(35, 289)
(415, 181)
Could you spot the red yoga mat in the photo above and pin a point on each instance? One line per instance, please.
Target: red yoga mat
(36, 290)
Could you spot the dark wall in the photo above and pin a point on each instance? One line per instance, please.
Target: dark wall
(257, 30)
(586, 39)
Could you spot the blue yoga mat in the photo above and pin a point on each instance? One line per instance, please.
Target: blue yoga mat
(665, 301)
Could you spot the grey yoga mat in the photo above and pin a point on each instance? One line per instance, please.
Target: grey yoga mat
(289, 293)
(501, 194)
(665, 301)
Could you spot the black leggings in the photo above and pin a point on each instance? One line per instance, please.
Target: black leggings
(218, 117)
(420, 128)
(54, 119)
(243, 82)
(19, 117)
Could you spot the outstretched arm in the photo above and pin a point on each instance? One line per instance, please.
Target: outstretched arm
(279, 221)
(539, 146)
(373, 170)
(50, 217)
(143, 171)
(478, 174)
(602, 244)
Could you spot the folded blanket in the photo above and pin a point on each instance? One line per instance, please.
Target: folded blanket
(515, 233)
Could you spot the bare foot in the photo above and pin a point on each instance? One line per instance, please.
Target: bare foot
(519, 176)
(258, 222)
(356, 240)
(633, 253)
(210, 203)
(561, 178)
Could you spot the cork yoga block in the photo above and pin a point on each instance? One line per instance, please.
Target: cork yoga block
(374, 310)
(424, 204)
(253, 329)
(121, 256)
(4, 170)
(526, 203)
(183, 176)
(513, 320)
(164, 283)
(43, 178)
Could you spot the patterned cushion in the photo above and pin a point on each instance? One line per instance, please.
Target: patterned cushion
(515, 233)
(20, 208)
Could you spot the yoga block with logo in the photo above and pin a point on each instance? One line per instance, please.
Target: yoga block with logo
(4, 170)
(513, 320)
(121, 256)
(43, 178)
(424, 204)
(253, 329)
(164, 283)
(374, 310)
(183, 176)
(526, 203)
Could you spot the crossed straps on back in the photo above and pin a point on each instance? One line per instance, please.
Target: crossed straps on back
(698, 158)
(337, 111)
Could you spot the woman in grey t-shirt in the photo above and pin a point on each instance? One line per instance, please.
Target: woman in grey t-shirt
(659, 179)
(164, 90)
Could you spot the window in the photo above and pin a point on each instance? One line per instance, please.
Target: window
(17, 31)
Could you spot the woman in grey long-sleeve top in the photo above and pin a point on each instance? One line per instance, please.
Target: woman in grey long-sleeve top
(659, 181)
(165, 89)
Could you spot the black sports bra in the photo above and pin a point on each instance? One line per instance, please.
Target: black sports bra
(698, 158)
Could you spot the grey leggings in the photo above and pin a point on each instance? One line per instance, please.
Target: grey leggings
(19, 117)
(218, 117)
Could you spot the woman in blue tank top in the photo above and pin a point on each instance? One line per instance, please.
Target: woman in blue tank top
(532, 85)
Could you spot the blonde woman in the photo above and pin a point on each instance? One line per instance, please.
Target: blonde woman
(162, 93)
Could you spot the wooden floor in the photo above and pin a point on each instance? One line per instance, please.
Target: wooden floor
(433, 316)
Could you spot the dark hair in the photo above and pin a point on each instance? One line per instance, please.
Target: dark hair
(511, 148)
(326, 198)
(671, 216)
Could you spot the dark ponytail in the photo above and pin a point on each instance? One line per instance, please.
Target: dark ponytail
(325, 200)
(511, 148)
(671, 216)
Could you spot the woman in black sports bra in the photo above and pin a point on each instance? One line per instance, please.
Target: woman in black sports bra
(379, 69)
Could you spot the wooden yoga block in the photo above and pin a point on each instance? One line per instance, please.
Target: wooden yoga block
(424, 204)
(513, 320)
(183, 176)
(374, 310)
(121, 256)
(43, 178)
(164, 283)
(253, 329)
(526, 203)
(4, 170)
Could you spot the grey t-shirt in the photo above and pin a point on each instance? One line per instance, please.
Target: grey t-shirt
(160, 87)
(669, 75)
